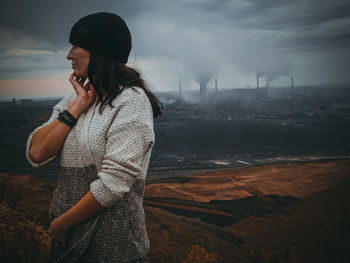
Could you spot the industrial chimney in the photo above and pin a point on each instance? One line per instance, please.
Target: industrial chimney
(203, 78)
(203, 91)
(257, 75)
(292, 83)
(216, 85)
(180, 95)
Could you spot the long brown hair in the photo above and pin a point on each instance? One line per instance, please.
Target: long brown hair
(113, 76)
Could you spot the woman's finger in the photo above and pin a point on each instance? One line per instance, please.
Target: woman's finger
(81, 81)
(72, 78)
(77, 85)
(87, 86)
(92, 95)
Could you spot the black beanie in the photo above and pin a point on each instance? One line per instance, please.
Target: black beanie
(104, 34)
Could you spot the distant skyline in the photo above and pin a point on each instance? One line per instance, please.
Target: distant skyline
(182, 40)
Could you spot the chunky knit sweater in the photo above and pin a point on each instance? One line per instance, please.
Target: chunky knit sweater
(109, 154)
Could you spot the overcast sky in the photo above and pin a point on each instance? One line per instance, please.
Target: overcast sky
(231, 40)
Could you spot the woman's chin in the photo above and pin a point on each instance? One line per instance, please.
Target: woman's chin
(79, 74)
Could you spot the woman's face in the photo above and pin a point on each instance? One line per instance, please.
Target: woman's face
(80, 60)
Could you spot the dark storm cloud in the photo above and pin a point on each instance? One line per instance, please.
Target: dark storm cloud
(316, 43)
(255, 36)
(298, 17)
(278, 14)
(34, 34)
(52, 20)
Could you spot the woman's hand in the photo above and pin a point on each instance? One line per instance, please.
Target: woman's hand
(85, 93)
(59, 232)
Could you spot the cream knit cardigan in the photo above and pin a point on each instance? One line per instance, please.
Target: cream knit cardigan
(109, 154)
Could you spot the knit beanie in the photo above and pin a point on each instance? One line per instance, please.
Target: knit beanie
(104, 34)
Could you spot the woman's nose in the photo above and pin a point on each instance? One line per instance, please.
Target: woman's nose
(69, 55)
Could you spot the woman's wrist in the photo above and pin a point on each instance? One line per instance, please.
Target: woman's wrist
(61, 220)
(77, 107)
(86, 208)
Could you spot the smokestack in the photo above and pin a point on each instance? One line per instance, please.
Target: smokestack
(203, 91)
(292, 80)
(216, 85)
(257, 82)
(180, 95)
(203, 78)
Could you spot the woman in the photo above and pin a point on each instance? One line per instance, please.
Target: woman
(103, 134)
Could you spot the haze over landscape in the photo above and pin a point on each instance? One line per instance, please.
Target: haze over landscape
(182, 40)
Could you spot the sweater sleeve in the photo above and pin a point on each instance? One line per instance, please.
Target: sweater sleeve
(126, 147)
(60, 106)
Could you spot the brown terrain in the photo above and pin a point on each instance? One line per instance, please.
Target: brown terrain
(293, 212)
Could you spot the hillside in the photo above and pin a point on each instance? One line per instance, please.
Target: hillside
(296, 212)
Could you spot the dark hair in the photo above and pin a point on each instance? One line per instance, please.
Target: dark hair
(113, 76)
